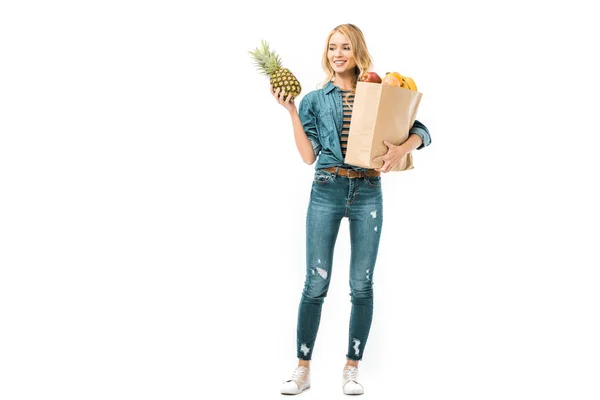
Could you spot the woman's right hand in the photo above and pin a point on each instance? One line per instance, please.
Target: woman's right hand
(285, 101)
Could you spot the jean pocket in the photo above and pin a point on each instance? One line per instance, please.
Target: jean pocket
(373, 181)
(322, 177)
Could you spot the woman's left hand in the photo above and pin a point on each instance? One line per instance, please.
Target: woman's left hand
(393, 156)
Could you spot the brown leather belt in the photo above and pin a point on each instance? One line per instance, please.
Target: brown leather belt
(350, 173)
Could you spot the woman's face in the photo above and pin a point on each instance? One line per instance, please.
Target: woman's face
(340, 54)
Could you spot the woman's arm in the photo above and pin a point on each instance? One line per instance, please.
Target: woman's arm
(412, 142)
(303, 144)
(421, 130)
(305, 127)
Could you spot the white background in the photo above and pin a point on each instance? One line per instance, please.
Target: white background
(152, 203)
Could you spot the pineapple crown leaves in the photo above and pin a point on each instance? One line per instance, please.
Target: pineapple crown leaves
(266, 61)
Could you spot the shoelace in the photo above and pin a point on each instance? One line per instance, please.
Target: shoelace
(351, 374)
(298, 373)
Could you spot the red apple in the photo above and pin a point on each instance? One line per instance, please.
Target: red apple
(371, 77)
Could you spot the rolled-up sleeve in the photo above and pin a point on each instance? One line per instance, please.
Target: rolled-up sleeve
(419, 129)
(309, 123)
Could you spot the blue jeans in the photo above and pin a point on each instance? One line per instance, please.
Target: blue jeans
(332, 198)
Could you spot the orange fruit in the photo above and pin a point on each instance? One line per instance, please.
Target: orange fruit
(392, 80)
(396, 74)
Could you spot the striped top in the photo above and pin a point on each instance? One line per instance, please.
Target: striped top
(347, 103)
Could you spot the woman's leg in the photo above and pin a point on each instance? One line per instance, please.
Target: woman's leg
(365, 218)
(325, 211)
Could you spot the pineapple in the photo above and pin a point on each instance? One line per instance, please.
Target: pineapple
(268, 63)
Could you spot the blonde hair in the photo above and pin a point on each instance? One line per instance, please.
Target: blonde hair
(359, 50)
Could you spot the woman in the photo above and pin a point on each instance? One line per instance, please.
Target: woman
(321, 132)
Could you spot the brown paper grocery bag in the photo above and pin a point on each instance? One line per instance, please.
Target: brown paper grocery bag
(380, 112)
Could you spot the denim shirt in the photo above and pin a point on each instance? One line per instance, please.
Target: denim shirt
(321, 113)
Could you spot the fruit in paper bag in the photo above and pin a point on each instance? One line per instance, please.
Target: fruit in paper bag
(390, 79)
(405, 81)
(371, 77)
(268, 63)
(396, 74)
(411, 84)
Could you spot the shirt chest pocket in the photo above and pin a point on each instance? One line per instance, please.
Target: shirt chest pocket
(326, 126)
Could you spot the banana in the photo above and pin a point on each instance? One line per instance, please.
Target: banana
(411, 84)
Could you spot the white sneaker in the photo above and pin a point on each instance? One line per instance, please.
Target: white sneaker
(351, 385)
(300, 381)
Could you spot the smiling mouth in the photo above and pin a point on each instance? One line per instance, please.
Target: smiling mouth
(338, 63)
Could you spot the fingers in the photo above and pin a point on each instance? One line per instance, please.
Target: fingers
(384, 168)
(276, 92)
(281, 97)
(389, 158)
(386, 164)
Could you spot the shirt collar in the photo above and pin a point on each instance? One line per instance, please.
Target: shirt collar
(329, 87)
